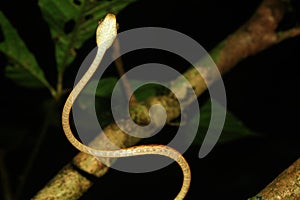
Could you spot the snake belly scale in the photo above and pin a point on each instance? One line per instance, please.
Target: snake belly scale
(105, 36)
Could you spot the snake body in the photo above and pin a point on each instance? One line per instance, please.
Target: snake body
(105, 36)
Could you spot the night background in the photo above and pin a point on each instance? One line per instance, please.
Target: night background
(262, 91)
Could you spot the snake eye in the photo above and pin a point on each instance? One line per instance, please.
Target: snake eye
(100, 21)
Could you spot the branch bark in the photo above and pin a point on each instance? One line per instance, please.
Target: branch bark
(254, 36)
(285, 186)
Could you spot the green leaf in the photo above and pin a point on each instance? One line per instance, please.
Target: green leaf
(105, 87)
(72, 22)
(22, 66)
(233, 129)
(103, 110)
(147, 90)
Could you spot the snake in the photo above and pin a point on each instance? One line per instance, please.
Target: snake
(106, 33)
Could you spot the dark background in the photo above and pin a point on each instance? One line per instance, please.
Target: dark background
(262, 91)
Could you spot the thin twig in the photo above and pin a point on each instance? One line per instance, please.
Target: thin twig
(34, 153)
(7, 195)
(121, 72)
(283, 35)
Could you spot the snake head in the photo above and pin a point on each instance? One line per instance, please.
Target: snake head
(106, 31)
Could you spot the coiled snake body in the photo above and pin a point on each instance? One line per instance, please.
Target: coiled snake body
(105, 36)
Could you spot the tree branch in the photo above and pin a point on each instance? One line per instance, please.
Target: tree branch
(285, 186)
